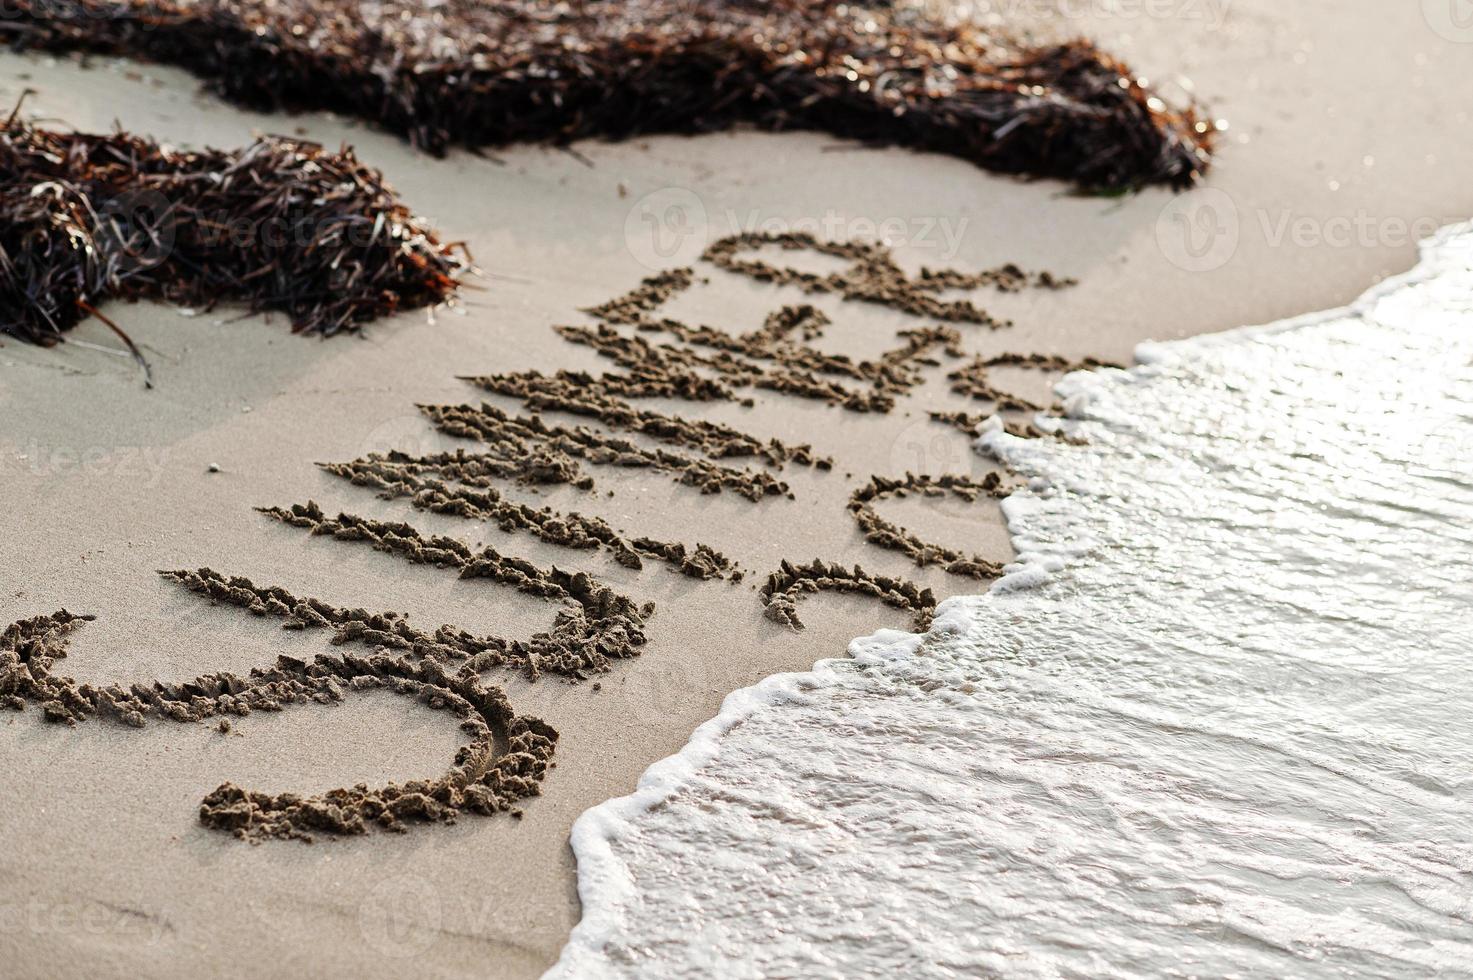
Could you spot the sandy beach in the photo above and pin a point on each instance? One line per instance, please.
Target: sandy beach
(1342, 150)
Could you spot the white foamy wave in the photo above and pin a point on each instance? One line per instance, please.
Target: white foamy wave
(1214, 721)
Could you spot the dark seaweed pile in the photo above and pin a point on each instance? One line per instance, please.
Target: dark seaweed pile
(474, 73)
(280, 226)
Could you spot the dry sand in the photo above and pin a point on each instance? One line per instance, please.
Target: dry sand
(1346, 129)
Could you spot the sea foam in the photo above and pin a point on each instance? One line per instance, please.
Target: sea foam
(1215, 720)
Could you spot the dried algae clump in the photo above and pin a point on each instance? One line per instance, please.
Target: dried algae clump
(481, 74)
(504, 761)
(280, 226)
(784, 587)
(886, 534)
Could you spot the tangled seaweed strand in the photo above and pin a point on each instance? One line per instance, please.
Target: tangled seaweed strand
(504, 761)
(887, 534)
(784, 587)
(281, 226)
(478, 74)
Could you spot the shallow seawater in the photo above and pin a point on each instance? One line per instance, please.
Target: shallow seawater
(1216, 721)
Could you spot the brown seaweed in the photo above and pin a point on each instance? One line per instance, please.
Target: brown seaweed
(445, 72)
(280, 226)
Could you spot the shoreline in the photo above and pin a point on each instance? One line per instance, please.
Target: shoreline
(1121, 743)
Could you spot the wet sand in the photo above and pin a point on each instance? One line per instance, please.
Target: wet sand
(1346, 132)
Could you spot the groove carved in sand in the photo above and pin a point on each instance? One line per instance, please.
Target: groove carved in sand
(886, 534)
(483, 778)
(875, 277)
(398, 475)
(710, 364)
(490, 424)
(594, 625)
(765, 358)
(784, 587)
(576, 397)
(972, 379)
